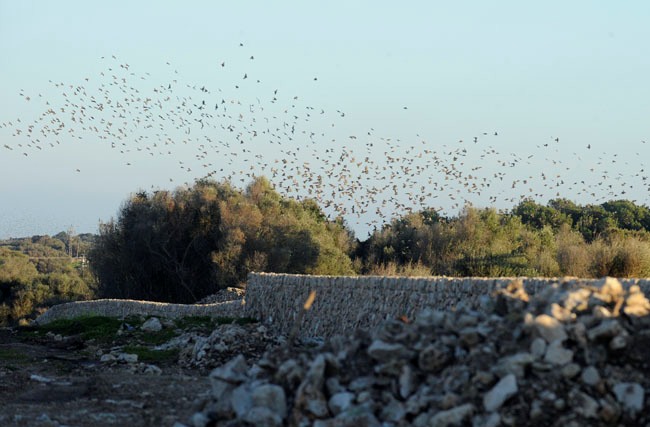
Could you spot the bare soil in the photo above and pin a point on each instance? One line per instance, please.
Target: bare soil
(54, 380)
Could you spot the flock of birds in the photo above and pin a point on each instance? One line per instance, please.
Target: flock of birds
(245, 128)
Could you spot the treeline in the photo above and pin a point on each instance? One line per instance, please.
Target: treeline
(182, 245)
(560, 239)
(40, 271)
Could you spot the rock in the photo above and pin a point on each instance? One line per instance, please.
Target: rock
(406, 381)
(262, 417)
(271, 396)
(606, 329)
(501, 392)
(610, 289)
(584, 404)
(560, 313)
(199, 420)
(610, 411)
(309, 395)
(152, 325)
(636, 304)
(570, 370)
(240, 399)
(550, 328)
(127, 357)
(490, 420)
(394, 411)
(620, 341)
(152, 369)
(340, 402)
(434, 357)
(380, 350)
(558, 355)
(630, 395)
(226, 377)
(452, 417)
(590, 376)
(105, 358)
(515, 364)
(356, 416)
(434, 370)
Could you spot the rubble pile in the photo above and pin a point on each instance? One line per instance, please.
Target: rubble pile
(199, 351)
(571, 355)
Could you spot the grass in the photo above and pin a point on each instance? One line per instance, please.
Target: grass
(104, 329)
(89, 327)
(12, 355)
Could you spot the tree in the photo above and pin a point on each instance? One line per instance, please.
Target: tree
(181, 246)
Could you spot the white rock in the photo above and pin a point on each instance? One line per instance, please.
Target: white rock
(550, 328)
(152, 369)
(606, 329)
(271, 396)
(489, 420)
(339, 402)
(610, 289)
(380, 350)
(241, 400)
(152, 325)
(636, 304)
(570, 370)
(558, 355)
(40, 378)
(262, 417)
(515, 364)
(590, 376)
(199, 420)
(538, 347)
(501, 392)
(406, 381)
(127, 357)
(225, 378)
(630, 395)
(452, 417)
(107, 358)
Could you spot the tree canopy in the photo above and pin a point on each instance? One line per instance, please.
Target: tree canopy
(183, 245)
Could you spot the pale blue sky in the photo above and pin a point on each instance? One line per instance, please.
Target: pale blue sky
(577, 71)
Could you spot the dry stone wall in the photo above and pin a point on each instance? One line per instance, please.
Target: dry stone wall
(125, 308)
(342, 303)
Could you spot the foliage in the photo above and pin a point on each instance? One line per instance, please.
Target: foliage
(34, 273)
(532, 240)
(181, 246)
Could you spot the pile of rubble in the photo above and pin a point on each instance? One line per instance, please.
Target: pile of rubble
(572, 355)
(225, 341)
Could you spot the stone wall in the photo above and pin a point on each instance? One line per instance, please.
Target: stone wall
(342, 304)
(345, 303)
(124, 308)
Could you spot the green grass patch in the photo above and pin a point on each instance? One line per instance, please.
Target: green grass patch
(146, 354)
(89, 327)
(155, 338)
(104, 329)
(12, 355)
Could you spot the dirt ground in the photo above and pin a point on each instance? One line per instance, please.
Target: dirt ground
(54, 380)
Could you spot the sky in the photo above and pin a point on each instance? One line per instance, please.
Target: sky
(374, 109)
